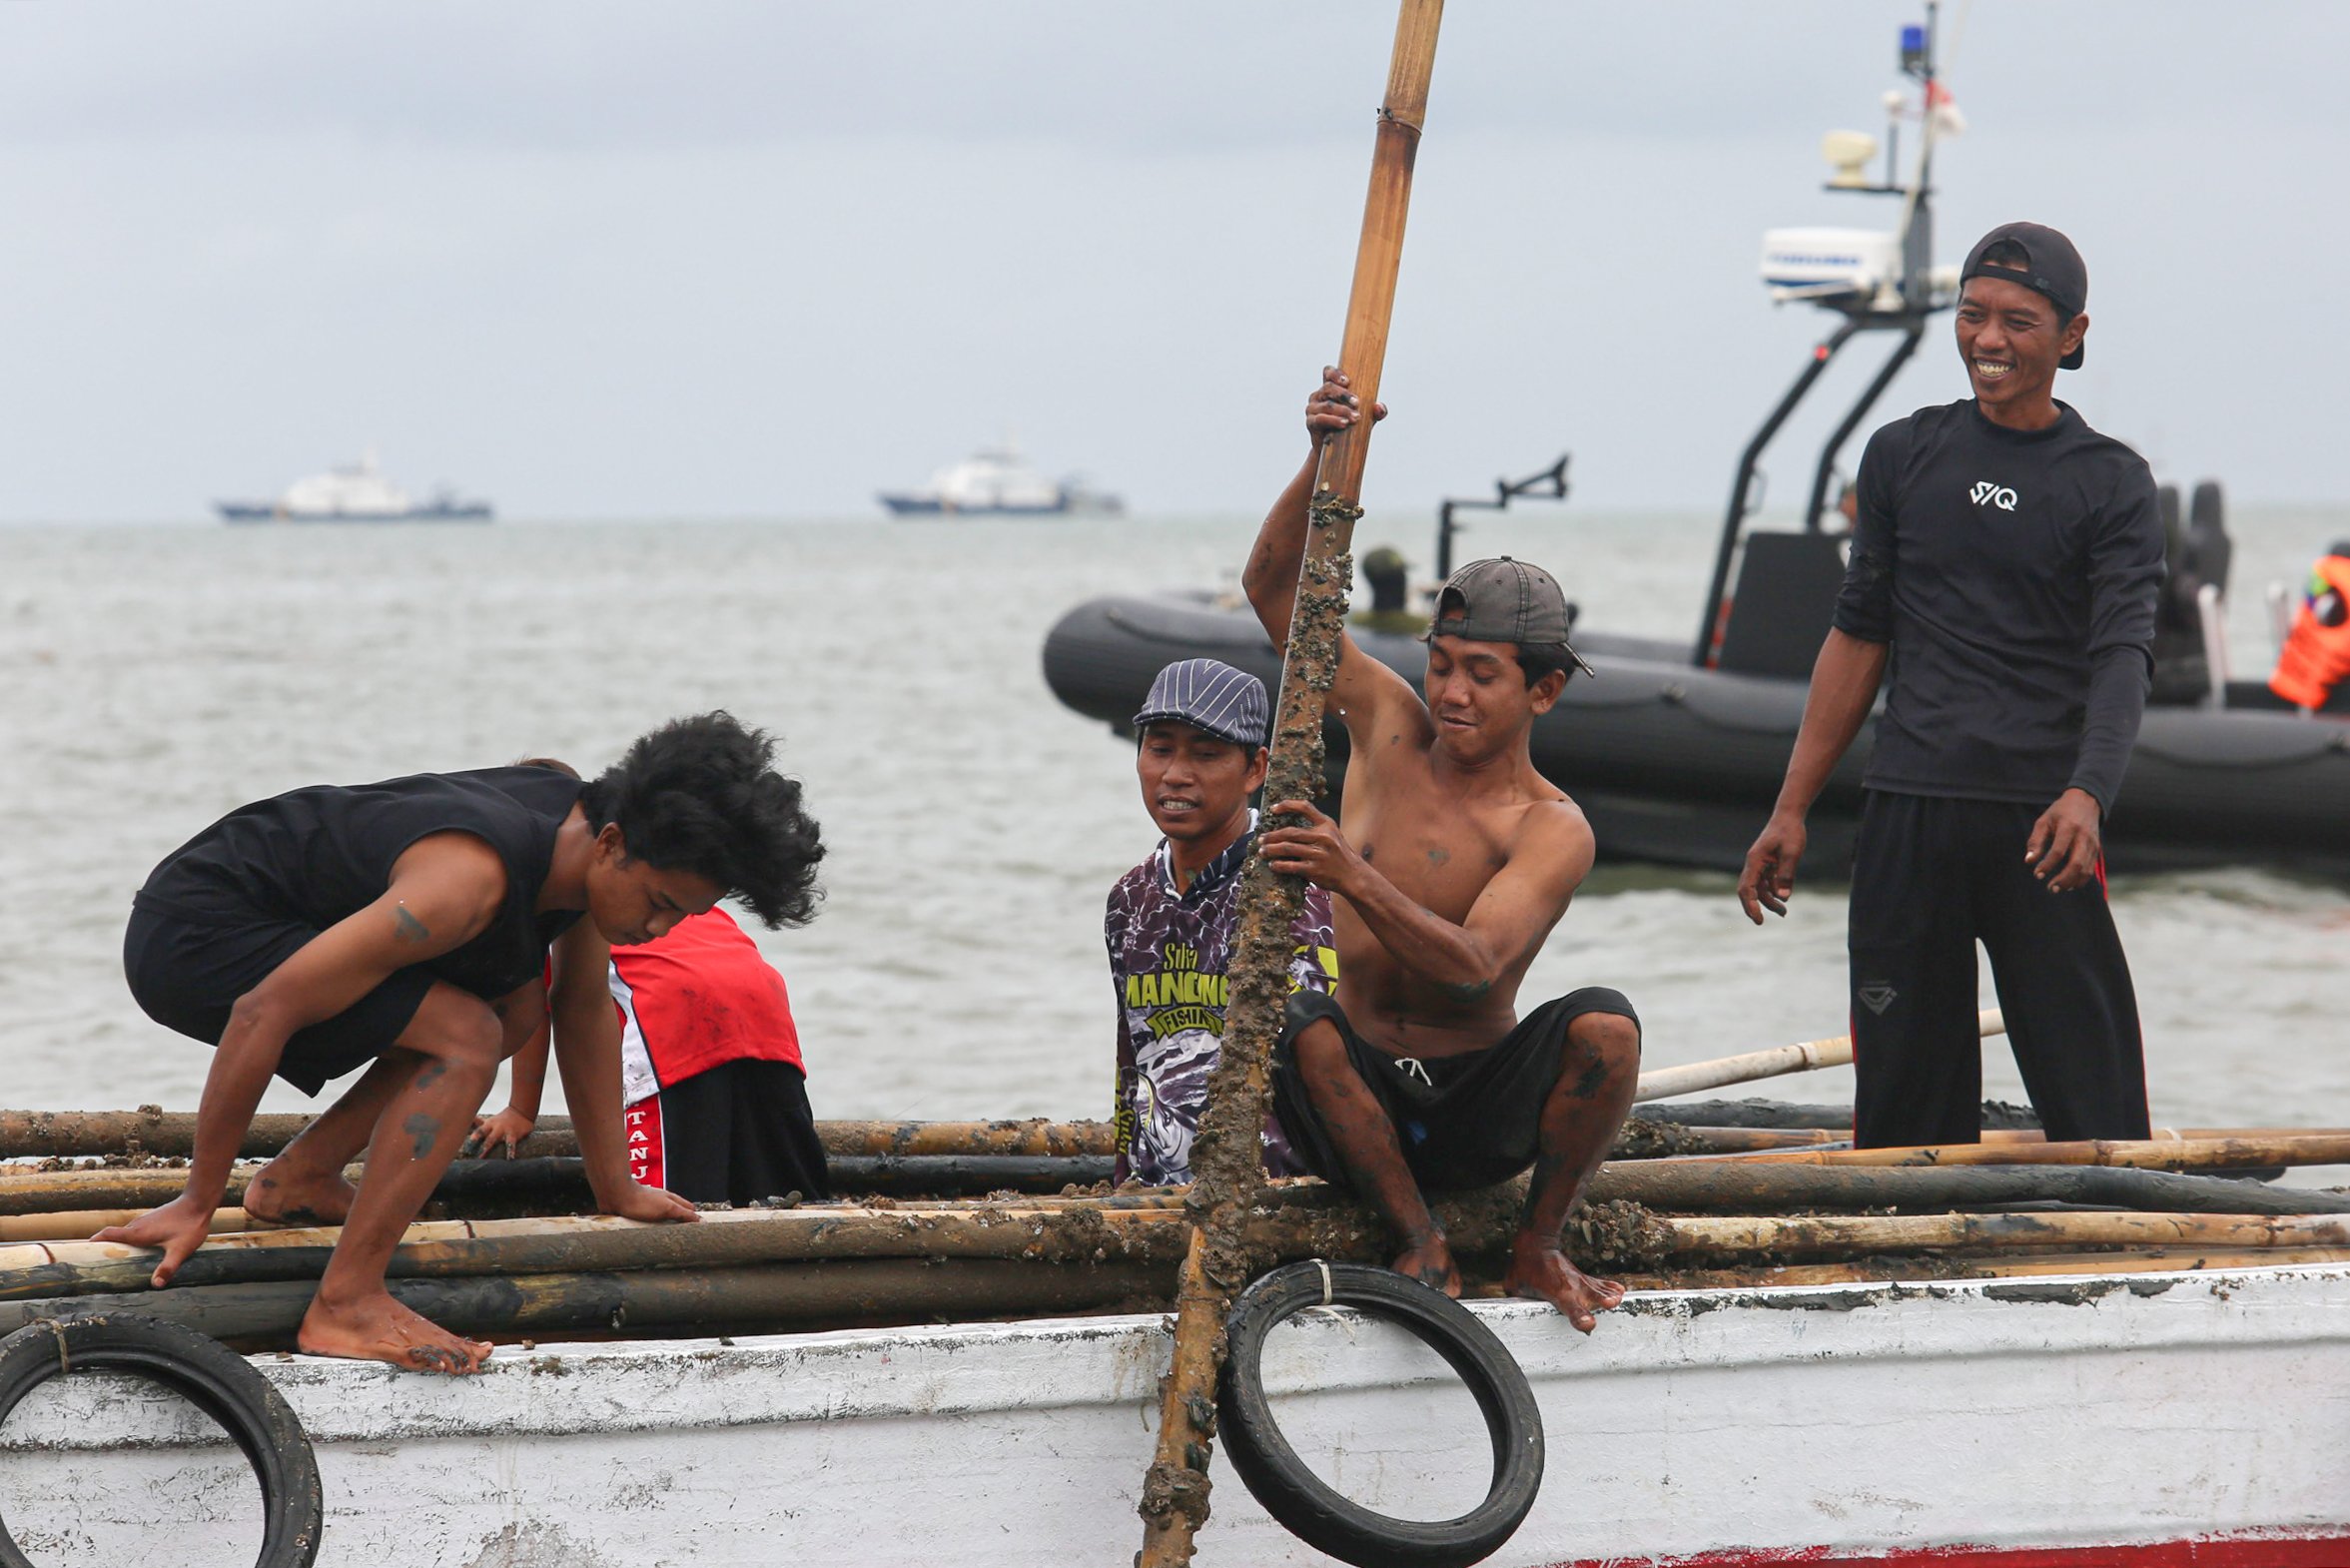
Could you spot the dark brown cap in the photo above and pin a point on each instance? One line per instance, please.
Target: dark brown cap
(1504, 600)
(2052, 267)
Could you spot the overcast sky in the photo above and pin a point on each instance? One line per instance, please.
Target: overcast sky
(725, 259)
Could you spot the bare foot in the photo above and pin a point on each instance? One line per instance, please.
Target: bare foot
(378, 1328)
(282, 1195)
(1543, 1274)
(1430, 1262)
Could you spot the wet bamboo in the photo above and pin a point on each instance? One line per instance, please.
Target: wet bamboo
(559, 1185)
(2185, 1154)
(1225, 1150)
(871, 1291)
(1291, 1221)
(76, 1224)
(529, 1247)
(73, 1224)
(482, 1183)
(1837, 1051)
(2155, 1261)
(1937, 1270)
(1744, 1186)
(41, 1135)
(1043, 1238)
(2172, 1134)
(1640, 1139)
(1782, 1113)
(1914, 1233)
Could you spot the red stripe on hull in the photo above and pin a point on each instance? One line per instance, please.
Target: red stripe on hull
(2293, 1551)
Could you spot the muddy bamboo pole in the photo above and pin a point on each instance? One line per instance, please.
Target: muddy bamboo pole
(1226, 1153)
(1051, 1241)
(482, 1183)
(2183, 1154)
(34, 1207)
(785, 1295)
(77, 1224)
(1916, 1233)
(878, 1291)
(1292, 1220)
(1837, 1051)
(1782, 1113)
(1934, 1270)
(73, 1224)
(1746, 1187)
(40, 1135)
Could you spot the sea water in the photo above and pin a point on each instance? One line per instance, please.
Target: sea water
(153, 677)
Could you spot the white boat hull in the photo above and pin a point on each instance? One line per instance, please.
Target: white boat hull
(2146, 1419)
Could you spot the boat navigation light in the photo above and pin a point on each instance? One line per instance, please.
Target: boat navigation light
(1847, 152)
(1914, 48)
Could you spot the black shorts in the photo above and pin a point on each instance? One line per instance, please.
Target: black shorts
(739, 1132)
(1464, 1121)
(187, 971)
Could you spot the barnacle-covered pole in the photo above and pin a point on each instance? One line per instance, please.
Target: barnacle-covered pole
(1225, 1161)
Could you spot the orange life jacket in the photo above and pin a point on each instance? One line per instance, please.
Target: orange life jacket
(2316, 655)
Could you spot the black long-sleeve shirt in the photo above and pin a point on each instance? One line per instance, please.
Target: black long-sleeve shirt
(2015, 573)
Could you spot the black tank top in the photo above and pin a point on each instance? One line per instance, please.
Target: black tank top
(318, 854)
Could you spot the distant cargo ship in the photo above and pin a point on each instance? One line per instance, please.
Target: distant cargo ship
(354, 493)
(995, 482)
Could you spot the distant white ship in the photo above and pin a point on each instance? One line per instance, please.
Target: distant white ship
(354, 493)
(996, 482)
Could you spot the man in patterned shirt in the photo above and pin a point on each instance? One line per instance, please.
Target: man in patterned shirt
(1199, 754)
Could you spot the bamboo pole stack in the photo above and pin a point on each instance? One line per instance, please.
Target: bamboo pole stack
(841, 1264)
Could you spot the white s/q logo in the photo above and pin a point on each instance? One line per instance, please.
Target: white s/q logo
(1995, 494)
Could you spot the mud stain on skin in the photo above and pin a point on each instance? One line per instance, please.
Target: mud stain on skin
(424, 1130)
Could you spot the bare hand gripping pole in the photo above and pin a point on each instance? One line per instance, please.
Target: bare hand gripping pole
(1226, 1159)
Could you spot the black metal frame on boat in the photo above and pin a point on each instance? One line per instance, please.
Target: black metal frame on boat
(1862, 312)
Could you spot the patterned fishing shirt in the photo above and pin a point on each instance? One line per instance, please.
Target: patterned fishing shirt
(1168, 953)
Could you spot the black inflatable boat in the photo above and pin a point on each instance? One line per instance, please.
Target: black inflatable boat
(1679, 764)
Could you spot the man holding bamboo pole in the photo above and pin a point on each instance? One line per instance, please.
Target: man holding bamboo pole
(1453, 863)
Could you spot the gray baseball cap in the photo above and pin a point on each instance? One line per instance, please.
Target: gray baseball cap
(1504, 600)
(1209, 695)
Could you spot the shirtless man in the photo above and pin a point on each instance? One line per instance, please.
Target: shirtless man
(1453, 861)
(403, 928)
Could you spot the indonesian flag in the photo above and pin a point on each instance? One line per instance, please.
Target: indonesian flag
(1942, 111)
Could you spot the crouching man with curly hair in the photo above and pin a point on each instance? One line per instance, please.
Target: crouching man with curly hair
(404, 927)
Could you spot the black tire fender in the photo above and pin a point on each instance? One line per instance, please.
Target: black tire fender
(1310, 1508)
(212, 1377)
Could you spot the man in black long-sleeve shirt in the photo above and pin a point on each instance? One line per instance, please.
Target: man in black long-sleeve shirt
(2006, 561)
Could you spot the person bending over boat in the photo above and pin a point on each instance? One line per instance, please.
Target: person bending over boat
(404, 927)
(2005, 565)
(1199, 754)
(713, 1091)
(1452, 862)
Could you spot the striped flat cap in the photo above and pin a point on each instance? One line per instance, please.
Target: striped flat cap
(1209, 695)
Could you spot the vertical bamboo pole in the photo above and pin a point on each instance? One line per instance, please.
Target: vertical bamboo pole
(1225, 1161)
